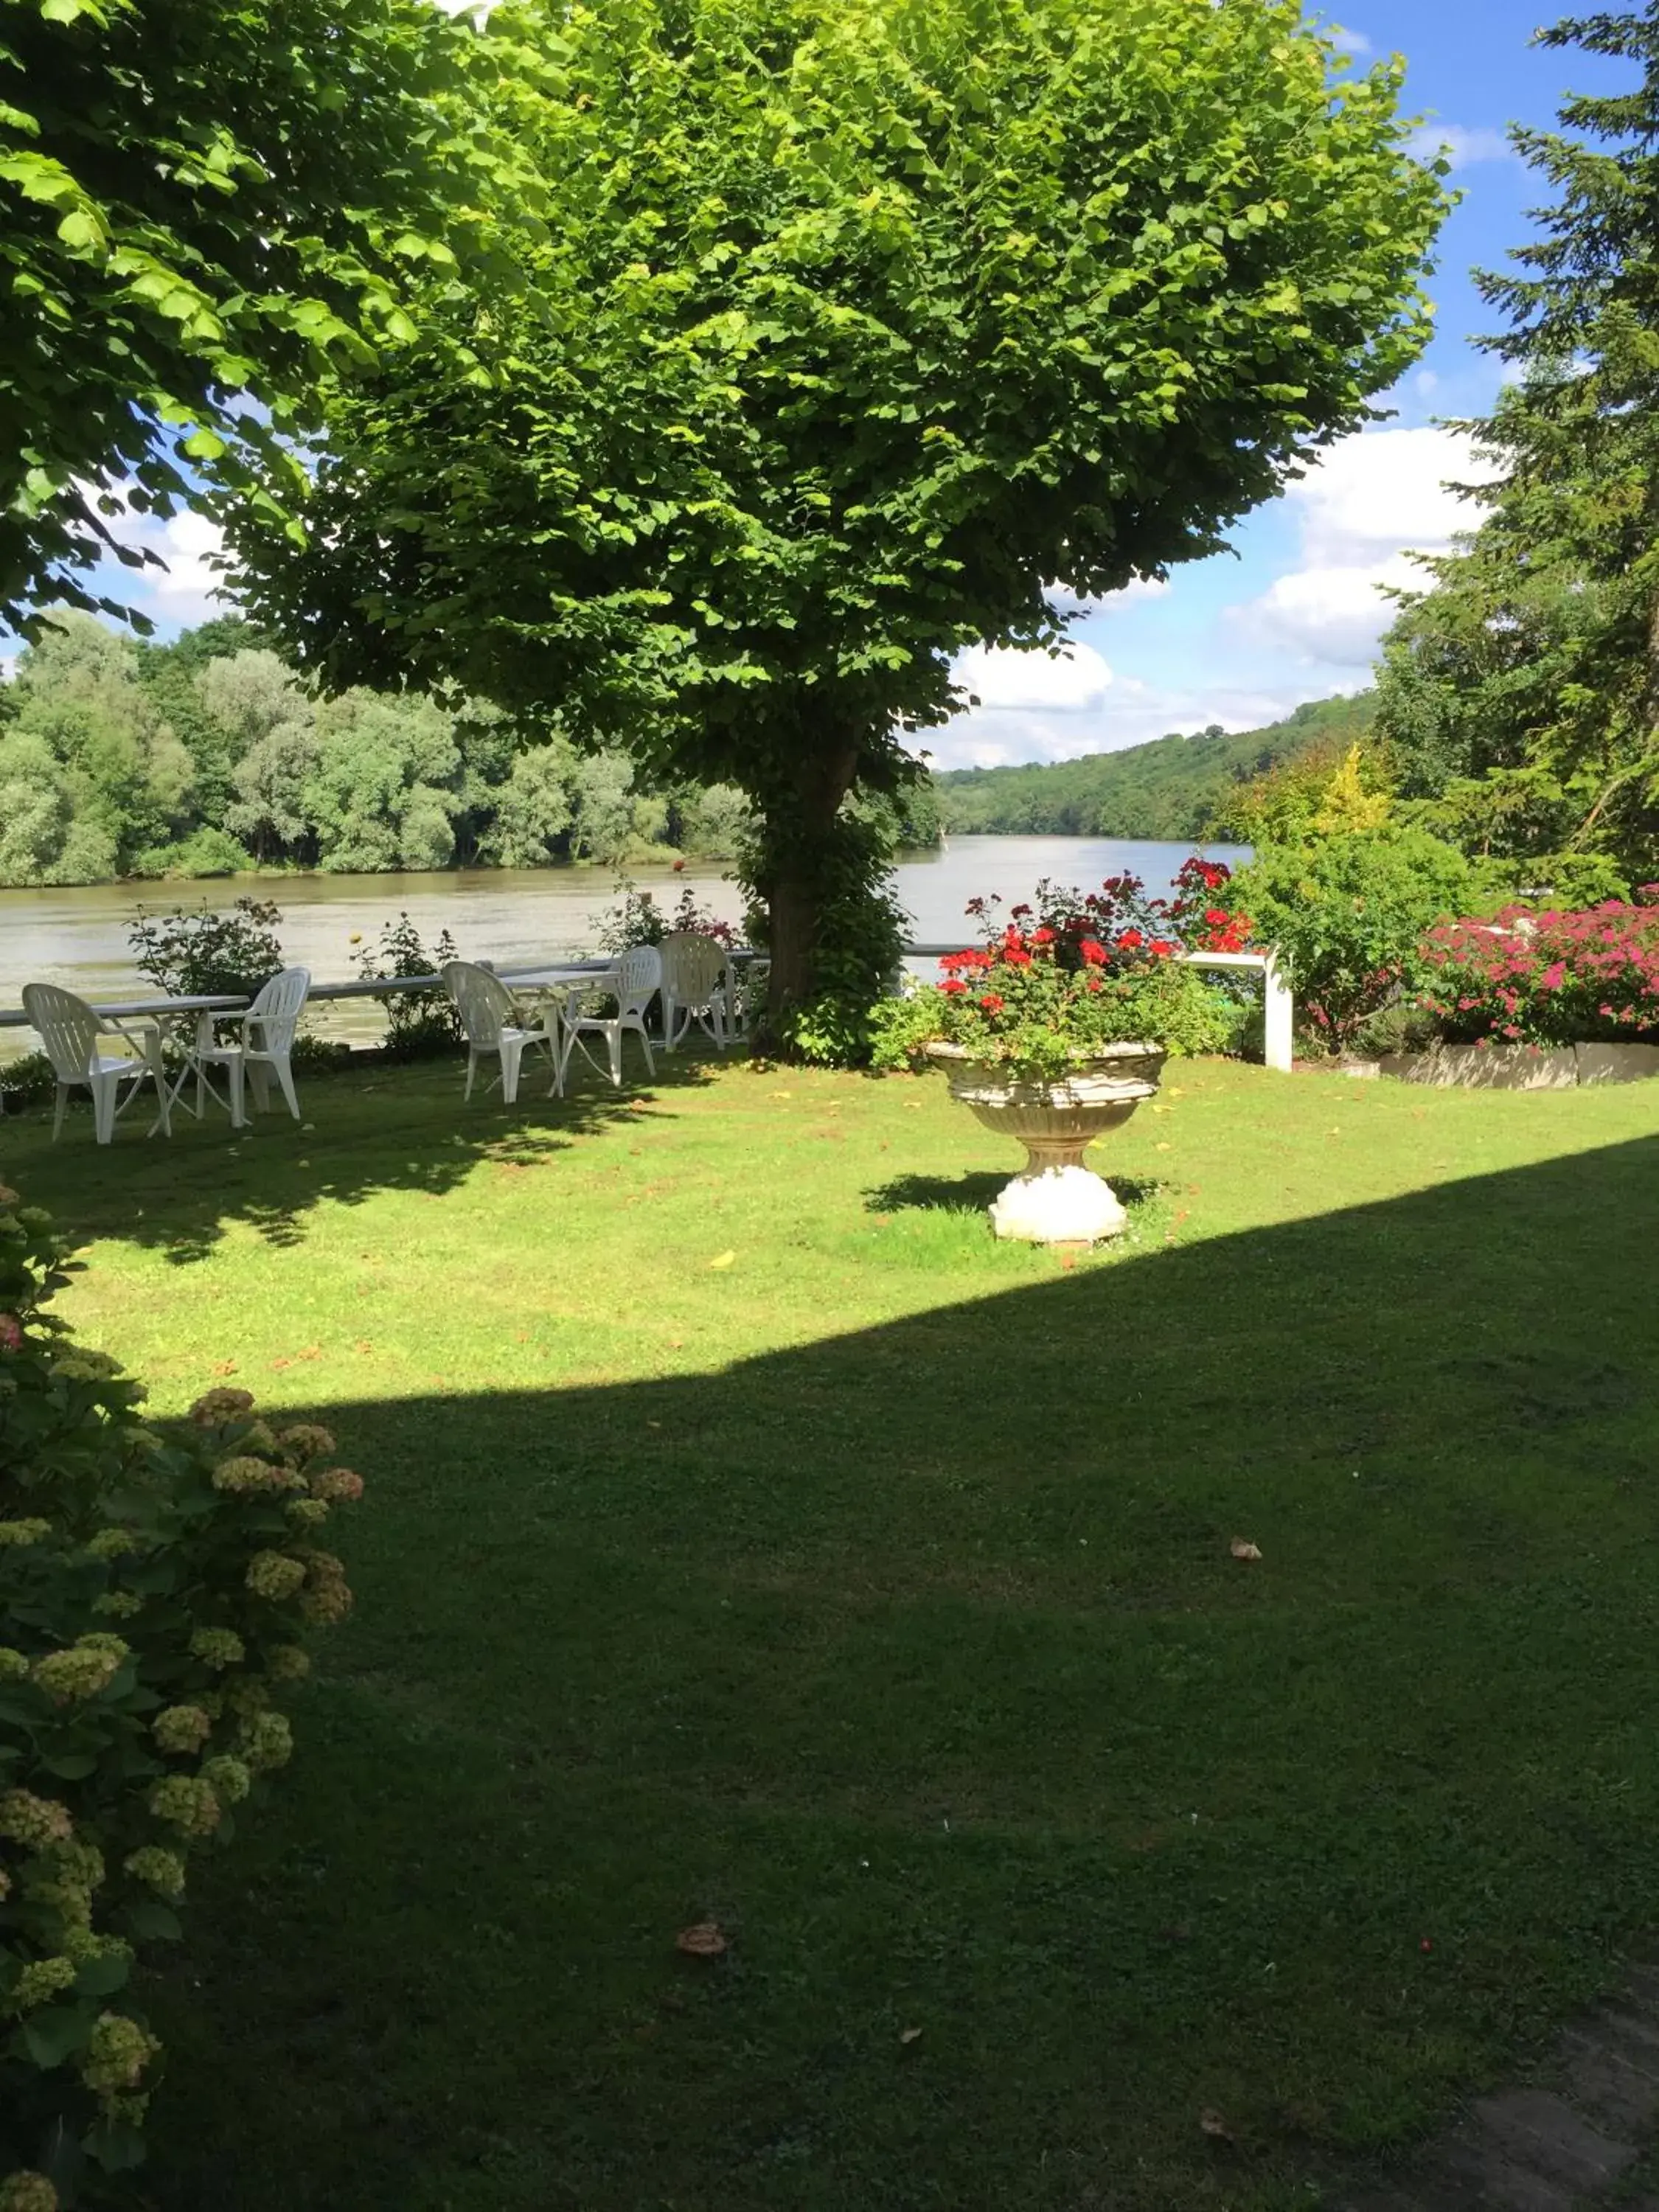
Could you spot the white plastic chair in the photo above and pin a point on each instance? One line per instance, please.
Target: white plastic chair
(694, 981)
(636, 980)
(70, 1030)
(264, 1048)
(490, 1019)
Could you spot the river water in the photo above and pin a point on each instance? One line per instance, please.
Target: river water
(78, 937)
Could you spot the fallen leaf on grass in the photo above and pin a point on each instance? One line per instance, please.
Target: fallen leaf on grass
(705, 1941)
(363, 1345)
(1242, 1549)
(1213, 2124)
(311, 1351)
(724, 1260)
(779, 1094)
(282, 1363)
(223, 1367)
(909, 2034)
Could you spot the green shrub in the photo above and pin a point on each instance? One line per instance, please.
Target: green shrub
(318, 1055)
(206, 852)
(1348, 913)
(156, 1586)
(419, 1025)
(29, 1080)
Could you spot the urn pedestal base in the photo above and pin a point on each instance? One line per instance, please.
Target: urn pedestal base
(1061, 1206)
(1057, 1201)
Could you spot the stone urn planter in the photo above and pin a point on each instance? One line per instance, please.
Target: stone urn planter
(1056, 1199)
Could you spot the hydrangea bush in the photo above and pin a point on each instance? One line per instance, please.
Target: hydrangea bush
(1076, 971)
(1547, 977)
(157, 1585)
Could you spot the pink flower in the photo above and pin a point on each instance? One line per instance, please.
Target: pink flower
(11, 1333)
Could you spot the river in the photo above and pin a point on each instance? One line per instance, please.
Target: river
(78, 937)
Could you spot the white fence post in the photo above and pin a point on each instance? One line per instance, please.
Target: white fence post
(1278, 1006)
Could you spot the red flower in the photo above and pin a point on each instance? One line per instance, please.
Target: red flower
(1043, 936)
(1131, 940)
(1217, 916)
(1161, 949)
(1093, 951)
(992, 1002)
(1018, 910)
(1015, 958)
(955, 986)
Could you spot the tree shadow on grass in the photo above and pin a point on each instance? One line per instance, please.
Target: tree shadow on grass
(920, 1659)
(362, 1131)
(973, 1193)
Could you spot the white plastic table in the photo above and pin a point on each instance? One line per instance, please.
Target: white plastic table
(148, 1041)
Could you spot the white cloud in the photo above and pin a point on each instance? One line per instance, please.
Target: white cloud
(1352, 42)
(1065, 601)
(184, 591)
(1461, 146)
(1370, 503)
(1003, 681)
(1335, 615)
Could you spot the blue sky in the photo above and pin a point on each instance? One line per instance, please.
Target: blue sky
(1296, 615)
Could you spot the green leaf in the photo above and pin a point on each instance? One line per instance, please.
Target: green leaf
(55, 2031)
(71, 1766)
(101, 1977)
(152, 1922)
(116, 2145)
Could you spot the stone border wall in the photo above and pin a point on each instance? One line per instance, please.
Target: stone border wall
(1523, 1067)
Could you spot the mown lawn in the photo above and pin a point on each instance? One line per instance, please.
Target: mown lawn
(749, 1536)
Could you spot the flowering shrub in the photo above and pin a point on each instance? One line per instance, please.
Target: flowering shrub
(640, 921)
(1548, 977)
(1074, 973)
(156, 1587)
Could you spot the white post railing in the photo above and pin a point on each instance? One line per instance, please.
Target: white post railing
(1278, 1002)
(1279, 1006)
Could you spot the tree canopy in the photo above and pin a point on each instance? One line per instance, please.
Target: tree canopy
(1520, 695)
(202, 203)
(857, 325)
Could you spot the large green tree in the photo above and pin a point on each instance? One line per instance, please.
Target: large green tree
(1520, 693)
(202, 203)
(858, 325)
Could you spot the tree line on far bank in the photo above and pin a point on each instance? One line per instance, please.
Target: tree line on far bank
(209, 757)
(1176, 787)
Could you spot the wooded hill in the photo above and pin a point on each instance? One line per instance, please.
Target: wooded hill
(1171, 787)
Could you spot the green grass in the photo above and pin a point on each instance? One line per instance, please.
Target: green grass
(872, 1594)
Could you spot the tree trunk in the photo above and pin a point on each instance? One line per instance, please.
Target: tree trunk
(799, 837)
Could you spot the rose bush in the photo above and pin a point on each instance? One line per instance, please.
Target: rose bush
(157, 1583)
(1547, 977)
(1074, 973)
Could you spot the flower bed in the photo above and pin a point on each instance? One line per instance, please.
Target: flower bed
(1075, 972)
(1547, 978)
